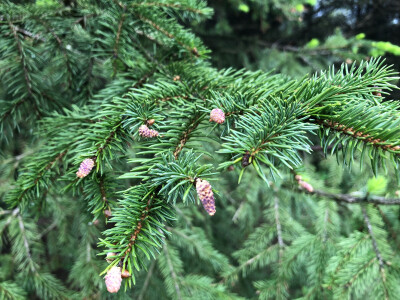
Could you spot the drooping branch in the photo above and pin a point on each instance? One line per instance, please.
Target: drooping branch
(353, 199)
(172, 271)
(168, 5)
(278, 225)
(61, 45)
(26, 243)
(147, 280)
(364, 137)
(117, 40)
(41, 174)
(374, 244)
(168, 34)
(376, 249)
(23, 61)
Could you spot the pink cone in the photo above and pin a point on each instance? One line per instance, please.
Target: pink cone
(217, 115)
(206, 195)
(113, 279)
(305, 185)
(85, 168)
(144, 131)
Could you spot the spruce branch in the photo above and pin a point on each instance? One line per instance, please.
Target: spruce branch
(172, 272)
(376, 249)
(191, 126)
(62, 48)
(11, 291)
(29, 34)
(387, 223)
(16, 197)
(364, 137)
(278, 227)
(177, 6)
(117, 40)
(168, 34)
(147, 280)
(23, 62)
(26, 244)
(347, 198)
(139, 225)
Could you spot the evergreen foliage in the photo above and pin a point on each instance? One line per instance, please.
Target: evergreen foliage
(78, 81)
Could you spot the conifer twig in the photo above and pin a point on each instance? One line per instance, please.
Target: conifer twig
(61, 45)
(168, 34)
(23, 61)
(48, 229)
(353, 199)
(185, 135)
(117, 39)
(41, 174)
(278, 225)
(139, 225)
(10, 218)
(147, 280)
(168, 5)
(387, 222)
(376, 249)
(374, 244)
(364, 137)
(26, 244)
(172, 271)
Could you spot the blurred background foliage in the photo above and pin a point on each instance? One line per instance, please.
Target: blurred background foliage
(296, 37)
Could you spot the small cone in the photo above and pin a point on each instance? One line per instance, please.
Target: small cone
(125, 274)
(110, 257)
(85, 168)
(305, 185)
(113, 279)
(206, 195)
(144, 131)
(217, 115)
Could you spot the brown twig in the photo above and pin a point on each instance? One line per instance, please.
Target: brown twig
(139, 225)
(109, 139)
(365, 137)
(185, 135)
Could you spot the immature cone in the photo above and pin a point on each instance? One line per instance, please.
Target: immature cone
(125, 274)
(151, 122)
(107, 213)
(110, 257)
(113, 279)
(217, 115)
(85, 168)
(206, 195)
(305, 185)
(144, 131)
